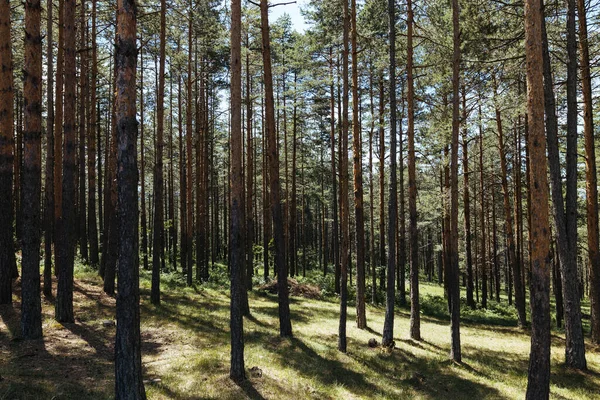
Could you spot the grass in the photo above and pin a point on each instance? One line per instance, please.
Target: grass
(186, 350)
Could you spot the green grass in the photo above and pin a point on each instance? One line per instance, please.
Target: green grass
(186, 350)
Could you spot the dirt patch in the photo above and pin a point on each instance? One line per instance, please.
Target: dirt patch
(295, 289)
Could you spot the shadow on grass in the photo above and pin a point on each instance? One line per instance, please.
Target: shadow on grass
(248, 388)
(569, 378)
(10, 317)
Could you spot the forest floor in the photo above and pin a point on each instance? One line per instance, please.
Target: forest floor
(186, 351)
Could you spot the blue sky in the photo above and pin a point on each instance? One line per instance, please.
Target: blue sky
(293, 10)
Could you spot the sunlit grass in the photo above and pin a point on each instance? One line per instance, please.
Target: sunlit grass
(186, 350)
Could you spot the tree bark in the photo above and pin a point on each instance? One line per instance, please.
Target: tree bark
(415, 309)
(361, 317)
(453, 281)
(158, 231)
(467, 204)
(538, 385)
(388, 324)
(7, 251)
(49, 168)
(285, 325)
(591, 178)
(236, 371)
(31, 309)
(65, 254)
(128, 360)
(513, 265)
(92, 224)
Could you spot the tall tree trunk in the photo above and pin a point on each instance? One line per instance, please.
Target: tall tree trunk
(334, 178)
(31, 309)
(188, 157)
(7, 251)
(538, 385)
(83, 117)
(361, 317)
(415, 309)
(453, 284)
(510, 237)
(382, 257)
(236, 371)
(565, 220)
(249, 177)
(111, 245)
(92, 225)
(575, 346)
(482, 218)
(128, 360)
(285, 325)
(65, 254)
(591, 178)
(467, 204)
(144, 218)
(372, 195)
(49, 168)
(345, 254)
(388, 324)
(158, 228)
(58, 126)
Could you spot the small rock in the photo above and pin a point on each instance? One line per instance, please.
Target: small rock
(108, 323)
(373, 343)
(256, 372)
(156, 380)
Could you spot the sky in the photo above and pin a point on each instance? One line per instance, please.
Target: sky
(293, 10)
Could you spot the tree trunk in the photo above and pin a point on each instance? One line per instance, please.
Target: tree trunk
(467, 205)
(565, 219)
(591, 179)
(49, 168)
(249, 177)
(128, 360)
(513, 265)
(415, 309)
(188, 158)
(538, 385)
(361, 317)
(65, 254)
(7, 251)
(58, 128)
(388, 324)
(345, 254)
(453, 282)
(83, 116)
(236, 371)
(285, 325)
(158, 227)
(382, 257)
(92, 225)
(31, 309)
